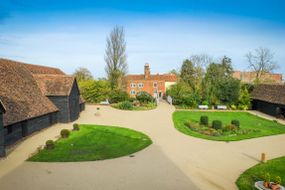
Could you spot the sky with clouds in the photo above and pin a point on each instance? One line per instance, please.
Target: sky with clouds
(71, 34)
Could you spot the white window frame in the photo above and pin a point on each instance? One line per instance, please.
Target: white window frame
(133, 85)
(133, 92)
(155, 84)
(141, 85)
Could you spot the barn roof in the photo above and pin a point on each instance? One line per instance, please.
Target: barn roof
(55, 85)
(272, 93)
(37, 69)
(20, 93)
(158, 77)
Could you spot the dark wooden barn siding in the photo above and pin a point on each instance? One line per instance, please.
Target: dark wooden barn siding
(2, 144)
(74, 105)
(82, 107)
(266, 107)
(62, 103)
(16, 131)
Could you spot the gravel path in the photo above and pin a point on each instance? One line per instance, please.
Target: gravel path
(174, 161)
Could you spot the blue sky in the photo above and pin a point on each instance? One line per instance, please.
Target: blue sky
(71, 34)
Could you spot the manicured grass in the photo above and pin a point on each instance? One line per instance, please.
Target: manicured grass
(94, 142)
(247, 121)
(275, 167)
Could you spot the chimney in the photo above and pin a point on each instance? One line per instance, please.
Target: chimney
(146, 71)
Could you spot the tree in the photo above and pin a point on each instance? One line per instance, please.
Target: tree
(244, 100)
(218, 83)
(261, 61)
(82, 74)
(115, 57)
(187, 73)
(201, 60)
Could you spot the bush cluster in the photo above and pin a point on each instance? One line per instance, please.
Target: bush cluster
(204, 120)
(118, 96)
(125, 105)
(217, 124)
(64, 133)
(144, 97)
(49, 145)
(235, 123)
(76, 127)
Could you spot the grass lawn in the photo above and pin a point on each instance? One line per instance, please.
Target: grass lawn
(275, 167)
(264, 127)
(94, 142)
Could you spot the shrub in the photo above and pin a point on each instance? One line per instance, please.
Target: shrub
(277, 180)
(235, 123)
(144, 97)
(75, 127)
(230, 128)
(49, 145)
(204, 120)
(266, 177)
(126, 105)
(64, 133)
(118, 96)
(217, 124)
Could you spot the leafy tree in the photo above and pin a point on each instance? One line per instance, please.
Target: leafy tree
(117, 95)
(82, 74)
(182, 94)
(116, 58)
(261, 61)
(94, 91)
(244, 100)
(218, 83)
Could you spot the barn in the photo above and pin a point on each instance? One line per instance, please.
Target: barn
(34, 97)
(269, 99)
(63, 91)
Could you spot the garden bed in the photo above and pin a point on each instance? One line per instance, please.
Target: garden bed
(130, 106)
(94, 142)
(251, 126)
(275, 167)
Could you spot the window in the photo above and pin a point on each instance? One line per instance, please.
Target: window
(133, 85)
(141, 85)
(155, 84)
(133, 92)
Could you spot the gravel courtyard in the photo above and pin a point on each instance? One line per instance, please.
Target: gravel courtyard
(174, 161)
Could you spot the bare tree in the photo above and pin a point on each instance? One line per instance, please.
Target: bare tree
(261, 61)
(82, 74)
(115, 57)
(201, 60)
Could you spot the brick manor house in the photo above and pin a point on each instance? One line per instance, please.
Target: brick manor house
(34, 97)
(154, 84)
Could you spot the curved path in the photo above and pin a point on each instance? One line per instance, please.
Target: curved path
(173, 161)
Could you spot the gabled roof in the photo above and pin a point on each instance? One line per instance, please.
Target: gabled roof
(20, 94)
(158, 77)
(272, 93)
(55, 85)
(37, 69)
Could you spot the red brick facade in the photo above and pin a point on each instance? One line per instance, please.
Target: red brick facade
(249, 77)
(155, 85)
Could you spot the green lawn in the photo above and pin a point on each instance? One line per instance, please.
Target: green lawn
(262, 126)
(94, 142)
(275, 167)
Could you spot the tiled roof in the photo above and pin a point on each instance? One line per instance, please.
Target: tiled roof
(158, 77)
(54, 85)
(272, 93)
(37, 69)
(20, 93)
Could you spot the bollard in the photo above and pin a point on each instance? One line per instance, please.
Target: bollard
(263, 157)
